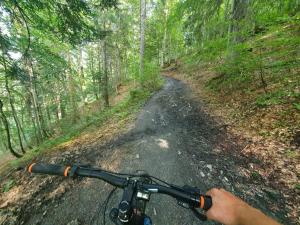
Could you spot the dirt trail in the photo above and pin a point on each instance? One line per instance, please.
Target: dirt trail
(172, 139)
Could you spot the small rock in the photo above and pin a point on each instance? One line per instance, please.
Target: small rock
(154, 212)
(179, 152)
(221, 172)
(74, 222)
(137, 156)
(202, 174)
(209, 167)
(44, 213)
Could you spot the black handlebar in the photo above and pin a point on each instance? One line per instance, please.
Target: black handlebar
(194, 199)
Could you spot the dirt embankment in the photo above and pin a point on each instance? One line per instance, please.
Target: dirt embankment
(277, 156)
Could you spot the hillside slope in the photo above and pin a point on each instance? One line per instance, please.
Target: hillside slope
(258, 100)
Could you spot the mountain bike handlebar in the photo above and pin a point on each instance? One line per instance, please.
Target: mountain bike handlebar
(186, 195)
(71, 171)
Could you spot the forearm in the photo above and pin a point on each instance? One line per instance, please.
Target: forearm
(252, 216)
(231, 210)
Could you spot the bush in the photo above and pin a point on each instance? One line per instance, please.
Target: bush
(270, 99)
(151, 79)
(138, 94)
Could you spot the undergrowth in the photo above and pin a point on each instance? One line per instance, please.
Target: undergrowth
(261, 82)
(130, 105)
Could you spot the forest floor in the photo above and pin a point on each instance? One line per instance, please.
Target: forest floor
(173, 137)
(276, 156)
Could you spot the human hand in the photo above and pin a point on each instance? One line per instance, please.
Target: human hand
(226, 208)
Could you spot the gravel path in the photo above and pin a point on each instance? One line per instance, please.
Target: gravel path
(172, 139)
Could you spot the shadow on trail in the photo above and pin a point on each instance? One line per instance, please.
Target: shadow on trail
(173, 139)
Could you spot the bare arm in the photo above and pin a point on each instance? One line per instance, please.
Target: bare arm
(230, 210)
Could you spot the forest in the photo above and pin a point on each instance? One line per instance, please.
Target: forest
(65, 63)
(57, 57)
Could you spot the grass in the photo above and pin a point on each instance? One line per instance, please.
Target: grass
(130, 105)
(8, 185)
(291, 153)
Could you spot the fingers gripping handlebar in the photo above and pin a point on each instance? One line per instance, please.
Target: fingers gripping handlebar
(191, 196)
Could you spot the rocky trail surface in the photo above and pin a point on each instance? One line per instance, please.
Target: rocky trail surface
(173, 139)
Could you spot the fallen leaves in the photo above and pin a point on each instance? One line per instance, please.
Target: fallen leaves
(271, 133)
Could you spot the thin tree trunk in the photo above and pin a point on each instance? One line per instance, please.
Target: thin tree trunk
(92, 71)
(58, 107)
(11, 102)
(100, 62)
(32, 117)
(14, 113)
(142, 38)
(34, 101)
(72, 90)
(164, 43)
(8, 136)
(81, 77)
(37, 104)
(263, 82)
(119, 68)
(105, 77)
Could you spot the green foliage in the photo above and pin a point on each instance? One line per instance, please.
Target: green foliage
(137, 94)
(297, 106)
(8, 185)
(291, 153)
(53, 56)
(151, 78)
(256, 176)
(122, 110)
(270, 99)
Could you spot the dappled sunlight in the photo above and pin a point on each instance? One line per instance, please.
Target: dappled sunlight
(162, 143)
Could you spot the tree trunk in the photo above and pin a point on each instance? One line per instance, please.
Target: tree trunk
(14, 113)
(100, 63)
(81, 77)
(164, 43)
(31, 115)
(8, 136)
(238, 13)
(72, 90)
(119, 68)
(11, 102)
(34, 101)
(142, 38)
(105, 77)
(92, 71)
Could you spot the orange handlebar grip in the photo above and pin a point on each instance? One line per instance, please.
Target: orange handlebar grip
(202, 202)
(66, 171)
(30, 167)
